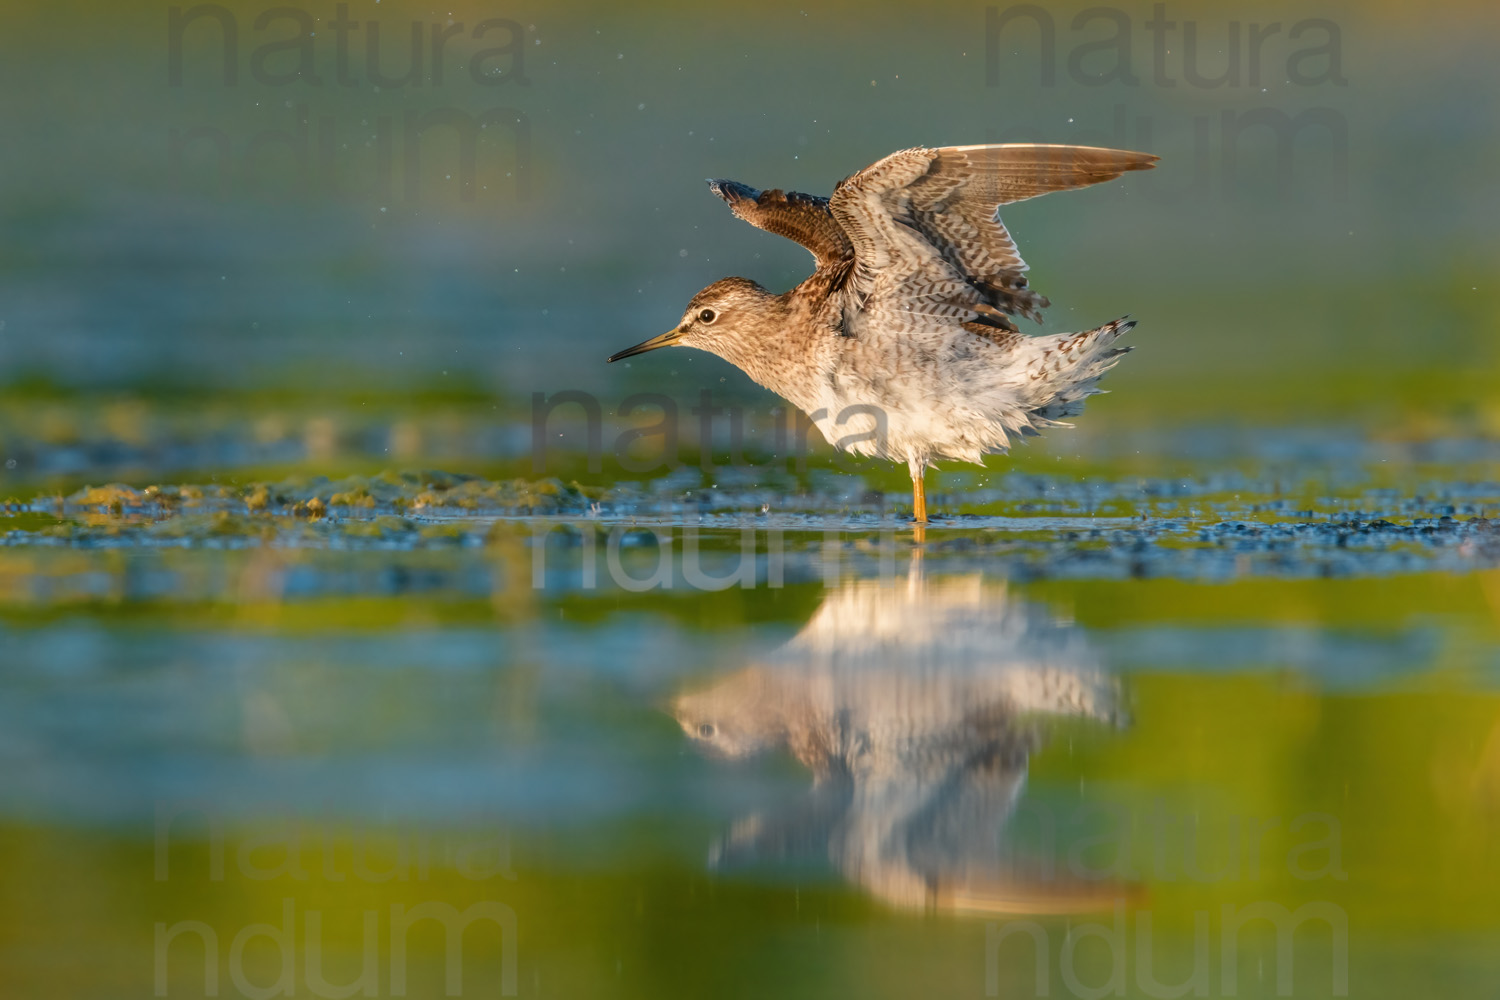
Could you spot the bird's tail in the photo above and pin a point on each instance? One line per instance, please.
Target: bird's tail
(1064, 370)
(1052, 896)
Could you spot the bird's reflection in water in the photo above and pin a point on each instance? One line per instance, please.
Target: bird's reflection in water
(915, 706)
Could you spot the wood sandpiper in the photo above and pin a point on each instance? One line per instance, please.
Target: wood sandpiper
(901, 344)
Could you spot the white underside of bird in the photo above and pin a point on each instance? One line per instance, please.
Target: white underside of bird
(975, 400)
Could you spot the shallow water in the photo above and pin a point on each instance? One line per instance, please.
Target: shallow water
(1085, 731)
(309, 626)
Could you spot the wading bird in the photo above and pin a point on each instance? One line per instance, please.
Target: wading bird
(901, 344)
(916, 709)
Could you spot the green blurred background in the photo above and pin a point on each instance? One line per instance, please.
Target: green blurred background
(1333, 267)
(214, 280)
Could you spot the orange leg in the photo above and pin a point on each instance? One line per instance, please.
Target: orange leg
(919, 499)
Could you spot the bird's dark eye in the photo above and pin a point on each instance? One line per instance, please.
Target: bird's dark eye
(708, 316)
(707, 729)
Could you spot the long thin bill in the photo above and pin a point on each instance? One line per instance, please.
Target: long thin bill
(665, 340)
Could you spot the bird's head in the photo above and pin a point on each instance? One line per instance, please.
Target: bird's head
(735, 719)
(716, 319)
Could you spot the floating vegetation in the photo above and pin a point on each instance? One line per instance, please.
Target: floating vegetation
(1026, 526)
(319, 496)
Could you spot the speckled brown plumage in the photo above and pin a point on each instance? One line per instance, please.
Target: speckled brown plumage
(901, 344)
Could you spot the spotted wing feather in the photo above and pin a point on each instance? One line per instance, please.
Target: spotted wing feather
(926, 231)
(804, 218)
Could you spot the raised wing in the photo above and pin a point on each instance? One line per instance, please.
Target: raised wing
(801, 217)
(926, 231)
